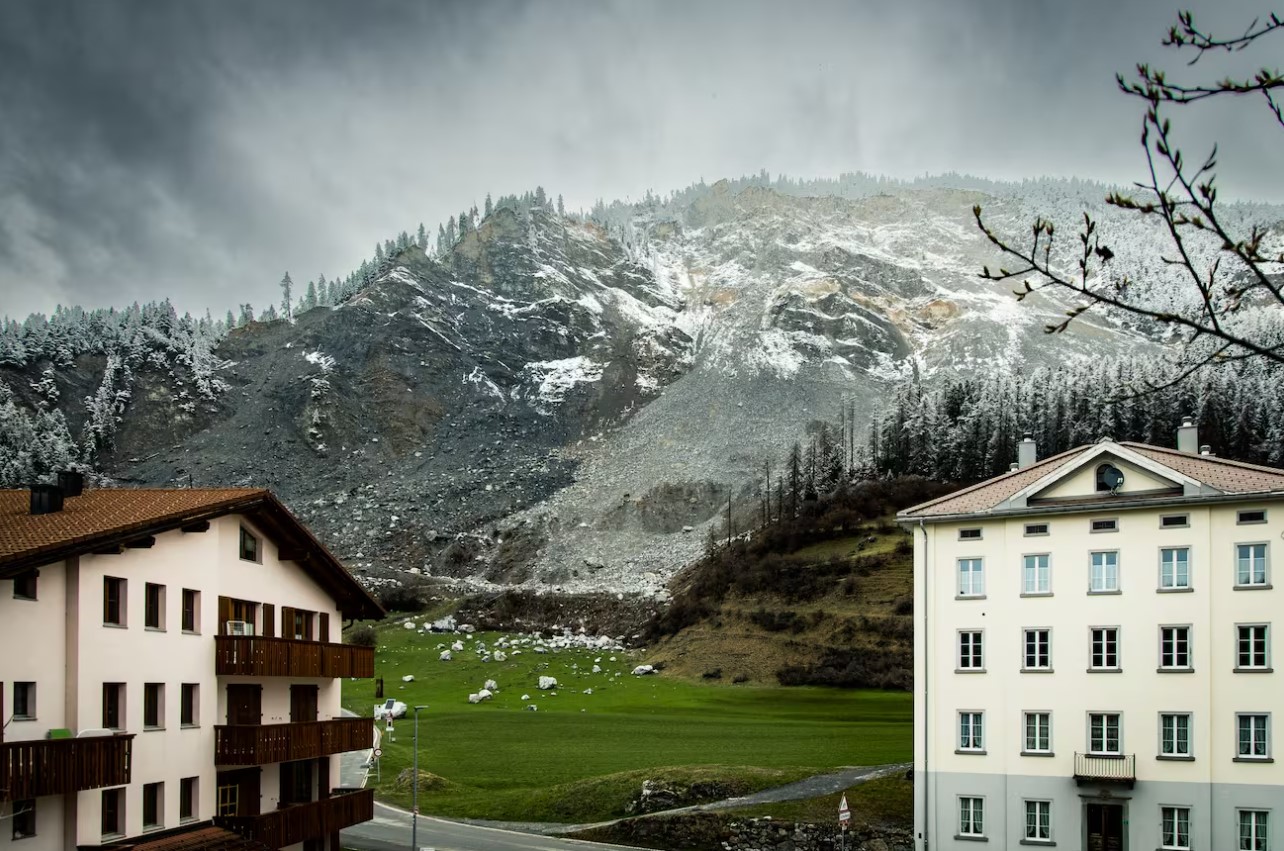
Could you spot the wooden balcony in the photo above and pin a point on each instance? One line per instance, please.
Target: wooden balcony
(30, 769)
(1105, 768)
(299, 822)
(257, 656)
(260, 744)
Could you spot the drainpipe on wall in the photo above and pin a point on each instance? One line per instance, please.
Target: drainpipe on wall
(927, 712)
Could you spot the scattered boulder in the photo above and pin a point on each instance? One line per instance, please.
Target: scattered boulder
(547, 683)
(484, 694)
(490, 685)
(532, 707)
(643, 670)
(408, 678)
(445, 656)
(474, 698)
(526, 697)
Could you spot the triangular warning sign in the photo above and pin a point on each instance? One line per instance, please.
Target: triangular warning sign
(844, 814)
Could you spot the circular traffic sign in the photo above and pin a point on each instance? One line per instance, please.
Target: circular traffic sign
(378, 752)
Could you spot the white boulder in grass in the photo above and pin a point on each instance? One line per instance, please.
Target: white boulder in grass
(410, 625)
(588, 691)
(532, 707)
(458, 647)
(500, 656)
(491, 685)
(547, 683)
(474, 698)
(597, 669)
(445, 656)
(526, 697)
(408, 678)
(484, 694)
(643, 670)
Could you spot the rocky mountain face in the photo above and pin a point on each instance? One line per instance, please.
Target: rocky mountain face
(555, 405)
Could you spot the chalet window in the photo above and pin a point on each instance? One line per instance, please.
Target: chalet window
(153, 805)
(250, 546)
(191, 610)
(24, 819)
(24, 701)
(113, 812)
(154, 606)
(187, 797)
(189, 705)
(228, 800)
(296, 782)
(114, 706)
(300, 626)
(114, 601)
(1245, 518)
(153, 706)
(24, 585)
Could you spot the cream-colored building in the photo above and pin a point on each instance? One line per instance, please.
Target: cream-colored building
(1094, 654)
(170, 673)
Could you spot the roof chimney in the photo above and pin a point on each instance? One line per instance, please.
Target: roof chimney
(1205, 450)
(71, 482)
(1027, 451)
(46, 499)
(1188, 436)
(1013, 467)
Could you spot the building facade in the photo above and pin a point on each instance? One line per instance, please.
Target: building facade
(171, 672)
(1094, 654)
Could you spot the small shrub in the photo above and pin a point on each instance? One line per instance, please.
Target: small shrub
(715, 674)
(740, 678)
(362, 635)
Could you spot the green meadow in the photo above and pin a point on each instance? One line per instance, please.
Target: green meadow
(581, 756)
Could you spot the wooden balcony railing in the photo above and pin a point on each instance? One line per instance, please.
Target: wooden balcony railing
(260, 744)
(300, 822)
(30, 769)
(1105, 768)
(256, 656)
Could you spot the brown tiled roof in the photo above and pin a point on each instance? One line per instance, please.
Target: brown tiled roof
(1230, 477)
(198, 839)
(105, 517)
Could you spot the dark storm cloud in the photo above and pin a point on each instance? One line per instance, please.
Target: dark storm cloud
(198, 149)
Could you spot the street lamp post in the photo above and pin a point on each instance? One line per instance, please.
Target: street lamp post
(414, 812)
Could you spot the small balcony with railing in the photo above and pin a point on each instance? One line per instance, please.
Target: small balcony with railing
(262, 744)
(262, 656)
(57, 766)
(1099, 768)
(300, 822)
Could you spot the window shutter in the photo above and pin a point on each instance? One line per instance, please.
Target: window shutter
(269, 620)
(287, 622)
(325, 627)
(224, 614)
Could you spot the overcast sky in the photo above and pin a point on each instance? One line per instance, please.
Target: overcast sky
(196, 150)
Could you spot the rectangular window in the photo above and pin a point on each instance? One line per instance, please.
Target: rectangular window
(1110, 525)
(1038, 732)
(1174, 521)
(971, 733)
(191, 610)
(1253, 835)
(113, 601)
(971, 654)
(1034, 529)
(1103, 733)
(153, 706)
(187, 798)
(1245, 518)
(24, 819)
(1105, 648)
(1253, 736)
(300, 625)
(24, 702)
(24, 585)
(1174, 648)
(249, 546)
(1036, 575)
(189, 705)
(153, 805)
(969, 534)
(153, 606)
(1174, 734)
(1252, 646)
(971, 577)
(1038, 821)
(971, 817)
(1174, 567)
(1250, 564)
(1105, 572)
(114, 706)
(1038, 650)
(228, 800)
(1175, 828)
(113, 812)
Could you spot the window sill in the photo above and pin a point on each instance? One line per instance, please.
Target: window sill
(1255, 587)
(252, 560)
(191, 632)
(1037, 671)
(154, 629)
(1105, 754)
(188, 820)
(189, 726)
(1036, 594)
(26, 600)
(1174, 758)
(1046, 843)
(1254, 670)
(115, 626)
(1266, 759)
(969, 670)
(19, 838)
(152, 828)
(23, 718)
(112, 837)
(1092, 593)
(961, 752)
(1186, 590)
(965, 837)
(153, 729)
(1174, 670)
(1037, 753)
(1105, 670)
(969, 596)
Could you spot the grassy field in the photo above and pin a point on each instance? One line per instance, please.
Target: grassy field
(884, 800)
(581, 757)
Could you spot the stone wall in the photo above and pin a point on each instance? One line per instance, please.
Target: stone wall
(714, 832)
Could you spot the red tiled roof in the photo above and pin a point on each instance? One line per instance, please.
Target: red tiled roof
(1230, 477)
(105, 517)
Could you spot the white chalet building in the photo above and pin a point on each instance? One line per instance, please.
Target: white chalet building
(169, 673)
(1094, 660)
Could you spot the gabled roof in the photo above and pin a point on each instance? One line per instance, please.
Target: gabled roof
(104, 517)
(1211, 477)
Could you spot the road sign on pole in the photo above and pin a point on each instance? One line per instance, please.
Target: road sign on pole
(844, 813)
(378, 752)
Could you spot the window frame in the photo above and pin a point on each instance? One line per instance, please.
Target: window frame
(189, 705)
(117, 705)
(156, 793)
(1026, 633)
(26, 811)
(976, 577)
(1041, 809)
(26, 586)
(1045, 728)
(1240, 521)
(227, 800)
(1092, 572)
(1256, 842)
(965, 533)
(1266, 567)
(115, 601)
(117, 809)
(189, 799)
(255, 551)
(1252, 668)
(1106, 641)
(1182, 521)
(1164, 587)
(1164, 739)
(974, 725)
(153, 706)
(1028, 570)
(1097, 525)
(1172, 666)
(1176, 844)
(154, 606)
(1265, 736)
(971, 821)
(1032, 530)
(28, 703)
(1105, 716)
(191, 625)
(971, 649)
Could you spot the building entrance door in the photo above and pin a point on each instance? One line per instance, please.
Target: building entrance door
(244, 704)
(1105, 827)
